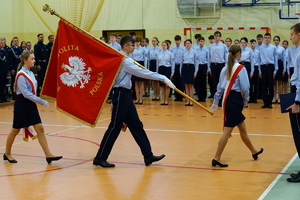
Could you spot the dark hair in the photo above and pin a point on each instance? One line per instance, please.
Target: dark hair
(244, 38)
(125, 40)
(259, 36)
(189, 40)
(177, 37)
(211, 37)
(296, 28)
(252, 40)
(276, 36)
(234, 49)
(156, 39)
(218, 32)
(119, 35)
(167, 43)
(202, 38)
(50, 36)
(228, 39)
(237, 40)
(132, 33)
(138, 39)
(147, 40)
(197, 36)
(285, 42)
(103, 38)
(40, 34)
(113, 34)
(267, 34)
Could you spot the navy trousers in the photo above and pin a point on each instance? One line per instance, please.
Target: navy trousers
(267, 72)
(123, 111)
(177, 82)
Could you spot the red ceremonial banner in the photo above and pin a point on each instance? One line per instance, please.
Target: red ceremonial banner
(80, 74)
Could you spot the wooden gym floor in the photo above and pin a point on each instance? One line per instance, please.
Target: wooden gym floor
(187, 135)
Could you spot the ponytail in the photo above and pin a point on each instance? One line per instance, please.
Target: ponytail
(229, 65)
(234, 49)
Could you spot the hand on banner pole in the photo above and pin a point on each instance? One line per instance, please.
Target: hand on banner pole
(46, 104)
(169, 83)
(213, 108)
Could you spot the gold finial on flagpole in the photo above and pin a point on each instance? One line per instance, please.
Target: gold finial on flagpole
(46, 8)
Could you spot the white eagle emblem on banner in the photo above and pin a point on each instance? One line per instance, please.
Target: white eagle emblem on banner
(76, 73)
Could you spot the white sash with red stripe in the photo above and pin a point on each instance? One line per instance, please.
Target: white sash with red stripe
(235, 71)
(28, 132)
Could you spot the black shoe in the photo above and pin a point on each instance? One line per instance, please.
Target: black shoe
(162, 104)
(187, 104)
(10, 161)
(102, 163)
(274, 102)
(210, 97)
(141, 103)
(270, 106)
(215, 163)
(265, 106)
(50, 159)
(293, 174)
(294, 179)
(149, 161)
(255, 156)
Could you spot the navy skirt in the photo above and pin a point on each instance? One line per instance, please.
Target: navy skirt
(25, 113)
(152, 65)
(187, 73)
(164, 71)
(279, 76)
(135, 78)
(234, 108)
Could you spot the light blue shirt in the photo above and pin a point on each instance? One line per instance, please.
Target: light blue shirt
(177, 51)
(116, 46)
(267, 55)
(139, 54)
(189, 57)
(295, 54)
(255, 54)
(24, 87)
(195, 46)
(203, 56)
(165, 58)
(217, 53)
(248, 56)
(241, 84)
(128, 68)
(152, 51)
(280, 51)
(296, 74)
(291, 54)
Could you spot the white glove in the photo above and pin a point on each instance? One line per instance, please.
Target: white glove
(46, 104)
(213, 108)
(169, 83)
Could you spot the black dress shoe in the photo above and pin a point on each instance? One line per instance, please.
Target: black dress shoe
(187, 104)
(270, 106)
(153, 158)
(102, 163)
(141, 103)
(293, 175)
(50, 159)
(255, 156)
(264, 106)
(215, 163)
(294, 179)
(274, 102)
(10, 161)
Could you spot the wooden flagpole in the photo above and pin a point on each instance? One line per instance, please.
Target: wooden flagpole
(47, 8)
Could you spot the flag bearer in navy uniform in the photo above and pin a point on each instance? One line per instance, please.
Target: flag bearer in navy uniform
(123, 109)
(41, 56)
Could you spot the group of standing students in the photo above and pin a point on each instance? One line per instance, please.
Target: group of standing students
(232, 89)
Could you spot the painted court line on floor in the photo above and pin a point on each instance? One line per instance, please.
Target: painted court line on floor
(264, 194)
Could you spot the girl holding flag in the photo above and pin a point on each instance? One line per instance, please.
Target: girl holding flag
(234, 84)
(25, 110)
